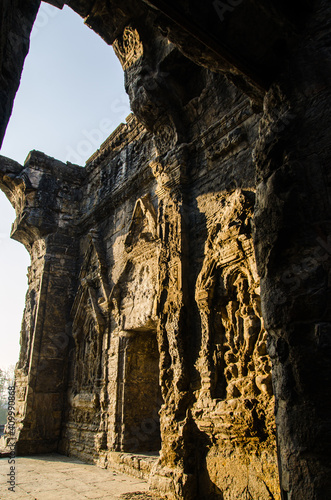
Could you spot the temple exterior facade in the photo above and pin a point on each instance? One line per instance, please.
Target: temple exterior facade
(177, 316)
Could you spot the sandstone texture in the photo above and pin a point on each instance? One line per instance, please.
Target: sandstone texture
(56, 477)
(177, 318)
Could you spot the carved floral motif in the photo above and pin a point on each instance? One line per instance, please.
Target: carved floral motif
(128, 47)
(165, 137)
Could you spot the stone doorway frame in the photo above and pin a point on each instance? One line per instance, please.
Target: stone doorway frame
(138, 392)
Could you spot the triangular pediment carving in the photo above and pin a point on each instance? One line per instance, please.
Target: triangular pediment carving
(93, 292)
(90, 316)
(143, 223)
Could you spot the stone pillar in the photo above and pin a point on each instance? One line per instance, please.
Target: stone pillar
(172, 328)
(292, 220)
(45, 195)
(40, 420)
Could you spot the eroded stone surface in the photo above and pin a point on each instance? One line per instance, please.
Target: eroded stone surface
(143, 375)
(178, 289)
(54, 477)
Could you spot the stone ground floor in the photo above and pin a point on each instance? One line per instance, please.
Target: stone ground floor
(56, 477)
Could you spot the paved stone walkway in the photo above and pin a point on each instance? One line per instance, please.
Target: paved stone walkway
(56, 477)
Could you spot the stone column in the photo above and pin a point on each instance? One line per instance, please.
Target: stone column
(45, 194)
(172, 327)
(40, 421)
(293, 222)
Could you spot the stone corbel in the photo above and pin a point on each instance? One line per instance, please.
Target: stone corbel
(10, 178)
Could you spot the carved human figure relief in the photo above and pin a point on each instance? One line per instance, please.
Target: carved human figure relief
(243, 326)
(233, 361)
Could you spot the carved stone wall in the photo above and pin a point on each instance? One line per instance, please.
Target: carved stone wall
(178, 288)
(235, 404)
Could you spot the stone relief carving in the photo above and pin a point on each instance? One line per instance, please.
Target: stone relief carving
(27, 331)
(35, 270)
(133, 339)
(143, 223)
(234, 366)
(242, 349)
(128, 47)
(90, 313)
(133, 296)
(165, 136)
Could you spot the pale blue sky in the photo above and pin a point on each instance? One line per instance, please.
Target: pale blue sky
(70, 99)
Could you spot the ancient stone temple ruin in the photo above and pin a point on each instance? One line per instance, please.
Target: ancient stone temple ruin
(178, 310)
